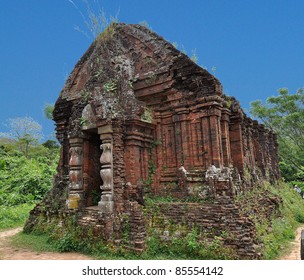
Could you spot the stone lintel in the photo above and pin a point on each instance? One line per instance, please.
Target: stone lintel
(106, 129)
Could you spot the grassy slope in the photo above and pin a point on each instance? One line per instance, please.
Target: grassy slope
(277, 232)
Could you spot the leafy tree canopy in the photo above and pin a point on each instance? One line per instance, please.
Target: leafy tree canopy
(284, 114)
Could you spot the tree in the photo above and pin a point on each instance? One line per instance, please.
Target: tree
(51, 144)
(284, 114)
(26, 131)
(48, 111)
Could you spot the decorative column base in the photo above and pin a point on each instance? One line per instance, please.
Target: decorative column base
(106, 206)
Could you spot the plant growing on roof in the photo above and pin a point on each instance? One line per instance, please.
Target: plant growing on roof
(95, 19)
(110, 86)
(83, 121)
(85, 95)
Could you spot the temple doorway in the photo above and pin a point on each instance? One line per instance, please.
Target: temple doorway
(91, 169)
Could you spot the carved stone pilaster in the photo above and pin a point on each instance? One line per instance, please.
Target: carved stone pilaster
(75, 173)
(106, 204)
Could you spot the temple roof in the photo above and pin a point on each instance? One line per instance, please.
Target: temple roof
(127, 53)
(129, 69)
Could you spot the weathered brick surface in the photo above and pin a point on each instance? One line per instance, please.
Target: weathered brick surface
(216, 219)
(167, 129)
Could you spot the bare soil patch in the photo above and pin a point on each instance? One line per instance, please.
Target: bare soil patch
(8, 252)
(294, 253)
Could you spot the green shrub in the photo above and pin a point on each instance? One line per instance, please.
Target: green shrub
(26, 180)
(277, 232)
(193, 245)
(14, 216)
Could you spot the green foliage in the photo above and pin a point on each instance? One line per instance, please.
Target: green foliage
(14, 216)
(275, 232)
(36, 242)
(185, 244)
(48, 111)
(151, 172)
(68, 236)
(67, 243)
(95, 197)
(299, 184)
(26, 170)
(110, 86)
(85, 94)
(51, 144)
(26, 180)
(83, 121)
(228, 102)
(284, 114)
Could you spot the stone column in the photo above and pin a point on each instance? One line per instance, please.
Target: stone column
(212, 136)
(75, 196)
(106, 170)
(216, 136)
(225, 137)
(236, 141)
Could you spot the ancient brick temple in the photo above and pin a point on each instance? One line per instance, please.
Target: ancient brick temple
(137, 117)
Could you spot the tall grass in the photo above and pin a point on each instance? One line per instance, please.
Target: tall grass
(94, 18)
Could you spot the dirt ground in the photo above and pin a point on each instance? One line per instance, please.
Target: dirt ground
(7, 252)
(295, 250)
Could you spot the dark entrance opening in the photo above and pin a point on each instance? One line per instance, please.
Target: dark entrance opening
(91, 169)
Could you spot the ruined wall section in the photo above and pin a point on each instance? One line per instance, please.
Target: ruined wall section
(254, 148)
(222, 218)
(180, 95)
(196, 124)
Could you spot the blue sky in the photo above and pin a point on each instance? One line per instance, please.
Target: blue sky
(256, 46)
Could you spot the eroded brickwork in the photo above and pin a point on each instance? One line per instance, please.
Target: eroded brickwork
(138, 118)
